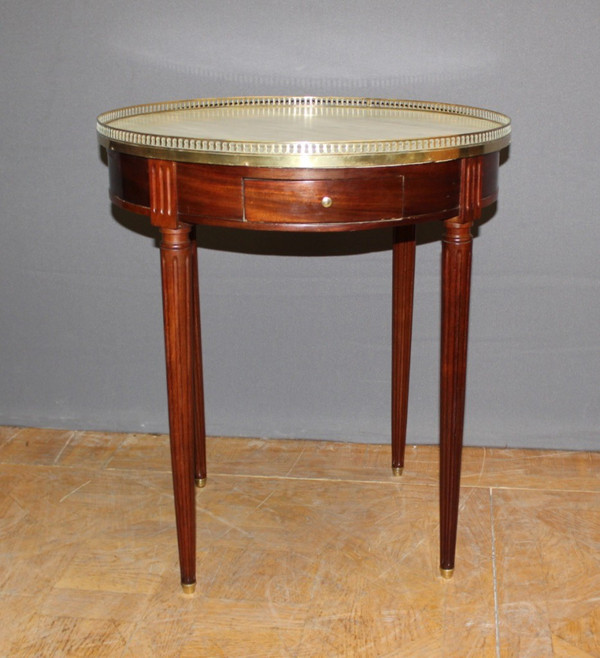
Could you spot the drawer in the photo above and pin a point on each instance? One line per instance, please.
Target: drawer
(355, 199)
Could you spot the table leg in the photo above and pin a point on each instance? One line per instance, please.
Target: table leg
(456, 277)
(403, 285)
(176, 264)
(199, 423)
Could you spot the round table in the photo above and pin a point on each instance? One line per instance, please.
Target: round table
(314, 164)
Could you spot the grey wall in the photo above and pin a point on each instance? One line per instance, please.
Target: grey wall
(296, 335)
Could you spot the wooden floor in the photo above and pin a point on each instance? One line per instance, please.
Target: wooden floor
(305, 549)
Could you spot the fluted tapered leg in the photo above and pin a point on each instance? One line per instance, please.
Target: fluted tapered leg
(402, 312)
(456, 275)
(177, 281)
(199, 423)
(456, 286)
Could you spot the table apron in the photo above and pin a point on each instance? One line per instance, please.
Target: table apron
(303, 199)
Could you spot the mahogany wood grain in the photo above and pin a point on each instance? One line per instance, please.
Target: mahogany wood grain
(164, 206)
(214, 194)
(456, 283)
(180, 312)
(403, 275)
(176, 261)
(129, 182)
(199, 422)
(323, 200)
(210, 192)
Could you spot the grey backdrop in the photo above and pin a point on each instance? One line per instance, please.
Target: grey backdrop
(296, 335)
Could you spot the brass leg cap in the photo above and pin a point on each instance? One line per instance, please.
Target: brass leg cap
(397, 470)
(200, 482)
(188, 588)
(446, 573)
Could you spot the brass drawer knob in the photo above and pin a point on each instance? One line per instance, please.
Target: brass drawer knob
(326, 202)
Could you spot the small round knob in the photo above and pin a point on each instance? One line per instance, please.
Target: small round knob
(326, 202)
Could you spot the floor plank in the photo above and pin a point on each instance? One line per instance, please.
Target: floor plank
(305, 548)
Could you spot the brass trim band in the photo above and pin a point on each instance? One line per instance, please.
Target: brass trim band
(310, 154)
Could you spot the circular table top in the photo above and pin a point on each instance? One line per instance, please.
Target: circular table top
(303, 131)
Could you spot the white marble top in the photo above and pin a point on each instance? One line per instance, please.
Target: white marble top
(305, 131)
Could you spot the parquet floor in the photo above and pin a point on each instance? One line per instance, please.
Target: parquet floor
(305, 549)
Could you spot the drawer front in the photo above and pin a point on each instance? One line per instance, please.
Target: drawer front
(323, 201)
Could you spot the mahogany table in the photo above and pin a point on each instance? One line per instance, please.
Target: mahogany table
(308, 164)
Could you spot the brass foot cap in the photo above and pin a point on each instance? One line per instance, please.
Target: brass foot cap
(200, 482)
(446, 573)
(397, 470)
(188, 588)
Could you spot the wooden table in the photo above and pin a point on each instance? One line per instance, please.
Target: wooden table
(308, 164)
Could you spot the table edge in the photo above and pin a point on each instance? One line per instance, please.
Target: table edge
(330, 154)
